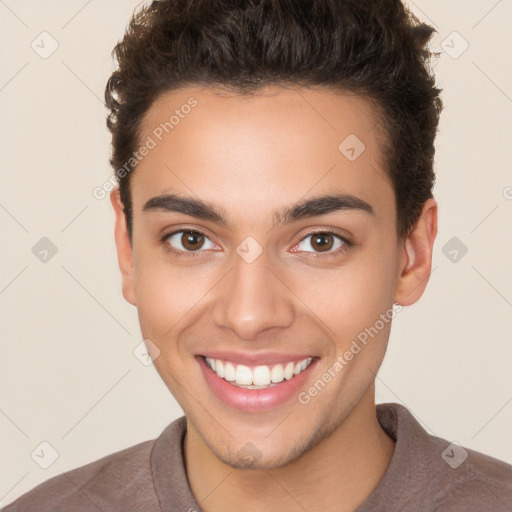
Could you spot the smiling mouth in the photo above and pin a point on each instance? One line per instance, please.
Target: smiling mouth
(256, 377)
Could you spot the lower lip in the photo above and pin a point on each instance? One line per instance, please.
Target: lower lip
(253, 400)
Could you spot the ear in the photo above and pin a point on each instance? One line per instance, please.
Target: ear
(124, 248)
(416, 256)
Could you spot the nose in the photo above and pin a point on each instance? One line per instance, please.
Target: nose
(253, 299)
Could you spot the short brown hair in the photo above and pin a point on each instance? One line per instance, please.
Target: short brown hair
(375, 48)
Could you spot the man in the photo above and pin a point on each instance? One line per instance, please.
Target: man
(275, 166)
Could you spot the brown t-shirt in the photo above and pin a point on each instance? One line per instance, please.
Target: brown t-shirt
(426, 473)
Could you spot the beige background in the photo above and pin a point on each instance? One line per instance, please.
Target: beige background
(68, 373)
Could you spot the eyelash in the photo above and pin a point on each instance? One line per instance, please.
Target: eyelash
(347, 244)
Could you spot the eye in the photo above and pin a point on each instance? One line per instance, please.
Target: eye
(322, 242)
(188, 241)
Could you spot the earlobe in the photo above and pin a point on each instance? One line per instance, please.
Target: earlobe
(124, 248)
(416, 260)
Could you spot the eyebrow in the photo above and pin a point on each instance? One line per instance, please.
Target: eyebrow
(320, 205)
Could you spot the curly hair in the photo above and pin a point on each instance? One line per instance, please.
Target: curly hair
(374, 48)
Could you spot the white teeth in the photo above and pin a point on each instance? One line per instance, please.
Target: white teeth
(259, 377)
(252, 386)
(277, 373)
(243, 375)
(229, 372)
(288, 371)
(304, 364)
(219, 368)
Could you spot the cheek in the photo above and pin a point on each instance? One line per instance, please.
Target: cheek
(167, 295)
(351, 298)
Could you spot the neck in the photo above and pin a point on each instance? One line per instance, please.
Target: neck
(337, 474)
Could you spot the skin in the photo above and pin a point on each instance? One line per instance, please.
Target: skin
(250, 157)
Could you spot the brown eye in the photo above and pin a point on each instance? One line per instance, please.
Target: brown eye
(188, 240)
(321, 242)
(192, 240)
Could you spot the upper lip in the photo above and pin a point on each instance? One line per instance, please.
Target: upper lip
(255, 358)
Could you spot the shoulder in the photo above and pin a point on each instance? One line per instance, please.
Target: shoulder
(428, 472)
(471, 481)
(119, 481)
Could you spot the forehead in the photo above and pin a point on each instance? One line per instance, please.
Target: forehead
(264, 150)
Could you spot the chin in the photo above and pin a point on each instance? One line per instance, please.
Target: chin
(266, 453)
(250, 457)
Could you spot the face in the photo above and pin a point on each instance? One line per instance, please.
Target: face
(264, 246)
